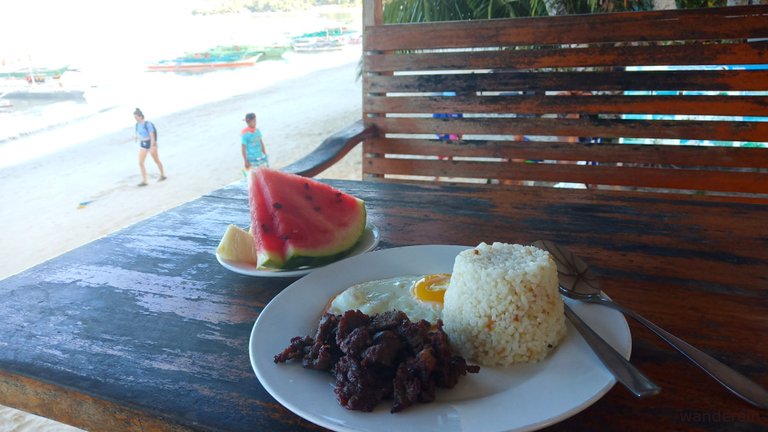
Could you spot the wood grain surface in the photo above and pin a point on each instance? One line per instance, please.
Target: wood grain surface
(144, 330)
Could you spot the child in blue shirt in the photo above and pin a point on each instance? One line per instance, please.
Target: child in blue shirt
(254, 152)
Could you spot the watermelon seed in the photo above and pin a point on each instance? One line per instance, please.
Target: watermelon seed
(264, 228)
(306, 186)
(308, 197)
(317, 209)
(277, 205)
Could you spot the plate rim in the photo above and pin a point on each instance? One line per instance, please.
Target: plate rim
(371, 231)
(621, 325)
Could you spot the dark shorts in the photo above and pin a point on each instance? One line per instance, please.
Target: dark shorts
(145, 144)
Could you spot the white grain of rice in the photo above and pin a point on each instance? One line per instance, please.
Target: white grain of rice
(502, 305)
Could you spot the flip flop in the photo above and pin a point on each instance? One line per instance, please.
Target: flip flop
(142, 184)
(162, 178)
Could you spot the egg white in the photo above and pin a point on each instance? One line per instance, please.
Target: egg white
(384, 295)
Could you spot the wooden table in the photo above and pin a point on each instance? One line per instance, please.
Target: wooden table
(143, 329)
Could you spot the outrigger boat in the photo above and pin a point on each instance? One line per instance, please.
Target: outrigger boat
(328, 39)
(202, 65)
(36, 83)
(220, 57)
(34, 74)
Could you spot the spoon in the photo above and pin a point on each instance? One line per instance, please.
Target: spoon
(577, 281)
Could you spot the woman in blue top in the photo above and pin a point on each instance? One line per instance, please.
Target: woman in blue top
(254, 152)
(147, 135)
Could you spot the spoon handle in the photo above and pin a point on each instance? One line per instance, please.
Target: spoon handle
(734, 381)
(634, 380)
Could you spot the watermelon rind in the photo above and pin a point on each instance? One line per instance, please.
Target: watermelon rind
(297, 258)
(315, 258)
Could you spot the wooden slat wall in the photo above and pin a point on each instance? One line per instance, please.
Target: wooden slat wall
(559, 99)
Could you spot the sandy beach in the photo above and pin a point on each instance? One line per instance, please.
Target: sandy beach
(56, 202)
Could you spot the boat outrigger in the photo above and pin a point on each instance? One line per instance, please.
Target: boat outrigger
(327, 39)
(202, 64)
(220, 57)
(36, 83)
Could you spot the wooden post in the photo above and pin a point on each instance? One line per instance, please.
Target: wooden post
(373, 15)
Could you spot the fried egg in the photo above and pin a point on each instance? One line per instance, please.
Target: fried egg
(420, 297)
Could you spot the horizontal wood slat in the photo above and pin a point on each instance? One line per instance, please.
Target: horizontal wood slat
(569, 151)
(568, 89)
(605, 56)
(602, 104)
(584, 127)
(709, 80)
(748, 182)
(698, 24)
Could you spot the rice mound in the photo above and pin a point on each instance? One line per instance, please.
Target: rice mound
(502, 305)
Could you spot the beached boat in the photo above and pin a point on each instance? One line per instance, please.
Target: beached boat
(220, 57)
(38, 84)
(327, 39)
(274, 52)
(317, 44)
(268, 52)
(203, 64)
(33, 73)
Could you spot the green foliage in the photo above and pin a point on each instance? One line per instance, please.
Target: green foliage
(487, 9)
(403, 11)
(685, 4)
(451, 10)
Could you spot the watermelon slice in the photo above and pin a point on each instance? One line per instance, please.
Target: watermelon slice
(297, 221)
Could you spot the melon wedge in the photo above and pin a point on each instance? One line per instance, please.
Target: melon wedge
(297, 221)
(237, 245)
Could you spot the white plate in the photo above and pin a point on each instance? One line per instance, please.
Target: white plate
(369, 241)
(521, 397)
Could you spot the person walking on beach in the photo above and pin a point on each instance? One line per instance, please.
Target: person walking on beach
(147, 135)
(252, 145)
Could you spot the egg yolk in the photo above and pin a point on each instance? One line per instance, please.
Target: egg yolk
(431, 288)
